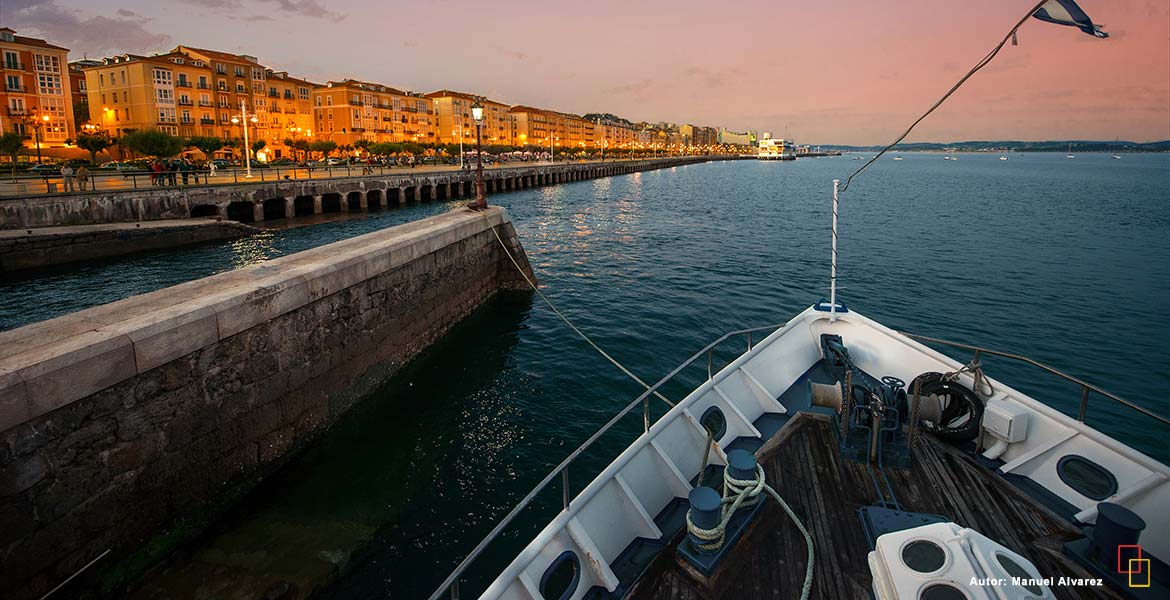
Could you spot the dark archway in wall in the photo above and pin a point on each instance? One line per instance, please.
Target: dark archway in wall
(374, 198)
(353, 200)
(204, 210)
(407, 194)
(274, 208)
(330, 202)
(303, 205)
(243, 212)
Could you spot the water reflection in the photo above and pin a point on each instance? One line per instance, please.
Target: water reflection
(254, 249)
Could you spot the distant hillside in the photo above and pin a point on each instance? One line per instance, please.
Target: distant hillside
(1018, 146)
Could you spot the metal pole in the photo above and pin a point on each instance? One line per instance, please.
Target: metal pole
(480, 201)
(247, 145)
(833, 268)
(565, 485)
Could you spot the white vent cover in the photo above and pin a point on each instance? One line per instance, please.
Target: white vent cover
(943, 560)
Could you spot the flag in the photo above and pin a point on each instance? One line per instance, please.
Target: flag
(1066, 12)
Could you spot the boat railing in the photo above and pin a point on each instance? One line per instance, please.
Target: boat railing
(450, 585)
(1086, 387)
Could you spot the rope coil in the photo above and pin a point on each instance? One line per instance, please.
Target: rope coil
(739, 493)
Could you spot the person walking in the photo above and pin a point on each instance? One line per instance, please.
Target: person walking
(211, 169)
(185, 169)
(82, 178)
(173, 172)
(153, 168)
(67, 175)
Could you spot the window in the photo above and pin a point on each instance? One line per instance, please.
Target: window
(1088, 478)
(49, 84)
(239, 71)
(102, 79)
(240, 89)
(12, 83)
(47, 63)
(11, 60)
(161, 77)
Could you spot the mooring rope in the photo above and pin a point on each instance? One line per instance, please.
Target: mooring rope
(740, 493)
(577, 330)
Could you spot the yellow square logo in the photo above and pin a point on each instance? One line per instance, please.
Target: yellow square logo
(1139, 566)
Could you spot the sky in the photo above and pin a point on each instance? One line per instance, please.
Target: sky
(824, 72)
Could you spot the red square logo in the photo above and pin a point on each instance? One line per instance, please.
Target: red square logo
(1134, 551)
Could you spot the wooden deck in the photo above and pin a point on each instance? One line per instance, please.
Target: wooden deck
(826, 491)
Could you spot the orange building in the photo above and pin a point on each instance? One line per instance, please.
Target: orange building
(454, 119)
(539, 127)
(349, 110)
(36, 91)
(169, 92)
(290, 114)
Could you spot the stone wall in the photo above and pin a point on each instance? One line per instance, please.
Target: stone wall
(34, 248)
(256, 201)
(119, 420)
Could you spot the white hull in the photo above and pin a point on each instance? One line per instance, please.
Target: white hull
(619, 504)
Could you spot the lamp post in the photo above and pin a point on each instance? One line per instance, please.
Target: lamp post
(36, 123)
(242, 118)
(477, 115)
(293, 133)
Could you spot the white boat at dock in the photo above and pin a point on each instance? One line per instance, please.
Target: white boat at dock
(799, 408)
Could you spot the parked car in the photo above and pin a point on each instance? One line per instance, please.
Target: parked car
(333, 161)
(221, 163)
(77, 162)
(314, 164)
(44, 169)
(282, 162)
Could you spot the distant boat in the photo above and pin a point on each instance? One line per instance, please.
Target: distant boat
(1004, 157)
(897, 158)
(1117, 156)
(1070, 154)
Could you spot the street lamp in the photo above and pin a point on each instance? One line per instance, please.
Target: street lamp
(36, 123)
(477, 115)
(242, 118)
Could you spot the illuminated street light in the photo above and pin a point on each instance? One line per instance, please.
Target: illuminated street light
(477, 115)
(242, 118)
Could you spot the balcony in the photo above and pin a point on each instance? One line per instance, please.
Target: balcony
(356, 103)
(17, 112)
(205, 103)
(389, 119)
(187, 120)
(409, 109)
(19, 89)
(203, 86)
(207, 121)
(183, 83)
(288, 95)
(358, 129)
(273, 94)
(185, 102)
(290, 111)
(13, 66)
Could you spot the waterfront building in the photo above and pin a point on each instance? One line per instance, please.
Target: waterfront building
(170, 92)
(290, 114)
(349, 110)
(732, 138)
(227, 80)
(612, 131)
(36, 85)
(78, 92)
(535, 127)
(776, 148)
(454, 117)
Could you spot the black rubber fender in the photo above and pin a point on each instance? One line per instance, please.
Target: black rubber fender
(961, 401)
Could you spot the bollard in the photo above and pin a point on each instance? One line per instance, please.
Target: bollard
(706, 513)
(1117, 529)
(741, 465)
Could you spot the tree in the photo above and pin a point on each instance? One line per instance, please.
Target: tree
(234, 144)
(94, 143)
(10, 144)
(80, 114)
(208, 145)
(323, 146)
(152, 142)
(257, 146)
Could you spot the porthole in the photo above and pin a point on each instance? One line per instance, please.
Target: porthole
(1015, 569)
(924, 556)
(1088, 478)
(561, 577)
(714, 422)
(942, 591)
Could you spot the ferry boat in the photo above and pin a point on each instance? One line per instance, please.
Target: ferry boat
(776, 149)
(837, 458)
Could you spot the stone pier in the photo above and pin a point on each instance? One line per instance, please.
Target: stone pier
(251, 202)
(121, 421)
